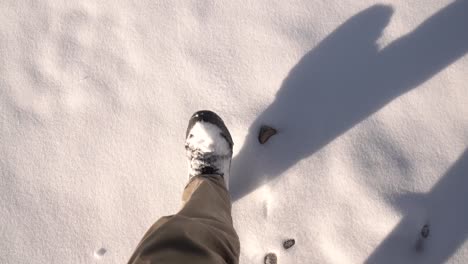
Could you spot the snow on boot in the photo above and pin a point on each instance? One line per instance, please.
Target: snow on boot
(208, 145)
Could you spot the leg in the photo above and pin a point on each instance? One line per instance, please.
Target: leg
(202, 232)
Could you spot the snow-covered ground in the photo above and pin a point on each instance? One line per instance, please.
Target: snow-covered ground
(369, 98)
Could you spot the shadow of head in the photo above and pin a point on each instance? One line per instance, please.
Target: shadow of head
(341, 82)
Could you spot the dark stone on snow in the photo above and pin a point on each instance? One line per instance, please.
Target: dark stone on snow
(425, 231)
(265, 133)
(289, 243)
(271, 258)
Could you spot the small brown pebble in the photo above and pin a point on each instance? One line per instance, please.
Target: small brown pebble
(271, 258)
(425, 231)
(289, 243)
(265, 133)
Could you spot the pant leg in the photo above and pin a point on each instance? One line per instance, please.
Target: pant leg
(201, 232)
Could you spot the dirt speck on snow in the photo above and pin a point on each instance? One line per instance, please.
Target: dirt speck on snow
(425, 231)
(271, 258)
(289, 243)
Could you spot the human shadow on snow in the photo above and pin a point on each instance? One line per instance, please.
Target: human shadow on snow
(443, 209)
(343, 81)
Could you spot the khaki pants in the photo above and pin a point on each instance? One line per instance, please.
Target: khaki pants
(202, 232)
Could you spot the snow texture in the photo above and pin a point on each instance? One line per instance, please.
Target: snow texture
(369, 99)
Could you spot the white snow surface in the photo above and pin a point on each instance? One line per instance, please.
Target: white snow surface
(369, 98)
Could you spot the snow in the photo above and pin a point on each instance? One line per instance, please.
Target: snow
(369, 99)
(208, 138)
